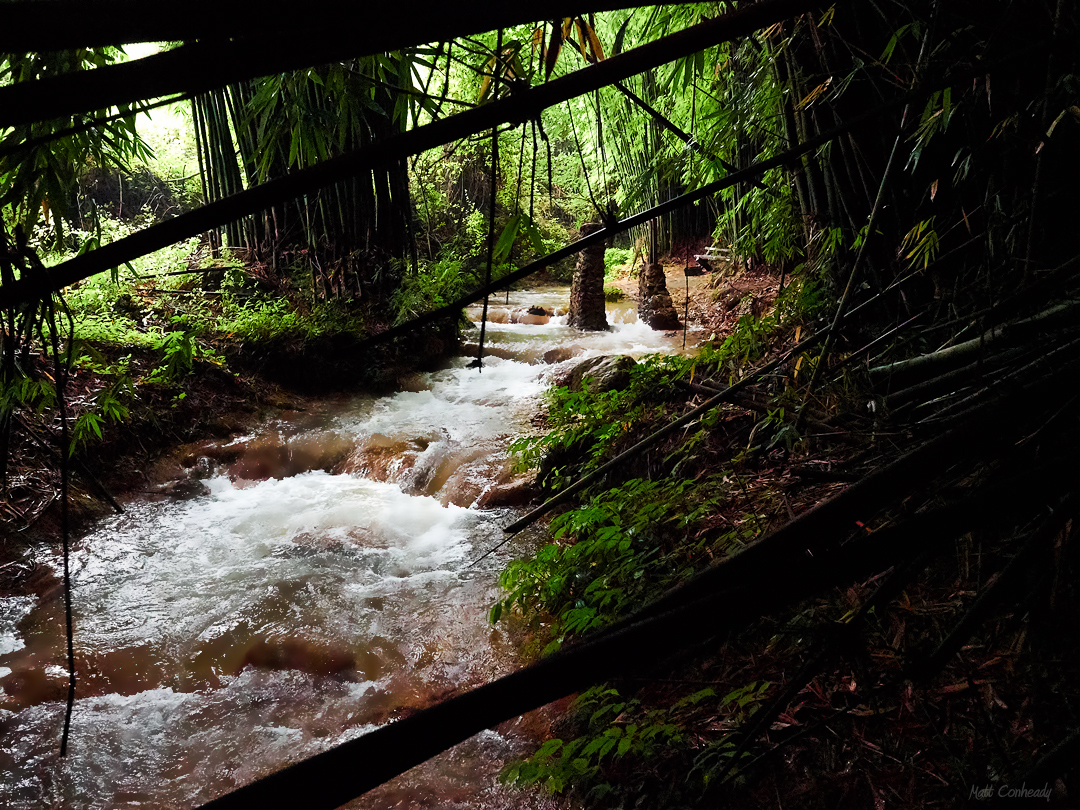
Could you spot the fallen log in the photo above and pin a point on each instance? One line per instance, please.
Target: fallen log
(1002, 336)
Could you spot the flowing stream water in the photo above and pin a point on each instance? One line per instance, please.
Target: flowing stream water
(320, 589)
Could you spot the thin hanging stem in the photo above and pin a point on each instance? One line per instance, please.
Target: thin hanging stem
(491, 206)
(600, 141)
(686, 303)
(532, 177)
(61, 372)
(581, 157)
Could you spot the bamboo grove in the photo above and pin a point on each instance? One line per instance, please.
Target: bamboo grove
(908, 168)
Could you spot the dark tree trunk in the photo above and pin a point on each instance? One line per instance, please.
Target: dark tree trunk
(654, 300)
(587, 309)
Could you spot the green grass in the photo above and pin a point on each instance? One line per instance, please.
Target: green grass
(616, 257)
(613, 294)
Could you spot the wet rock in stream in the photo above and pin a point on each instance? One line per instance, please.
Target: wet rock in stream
(513, 493)
(182, 488)
(561, 354)
(273, 455)
(654, 301)
(598, 374)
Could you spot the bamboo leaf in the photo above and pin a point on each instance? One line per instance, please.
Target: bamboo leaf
(506, 238)
(554, 46)
(1053, 126)
(485, 85)
(538, 40)
(582, 36)
(516, 69)
(594, 43)
(535, 237)
(620, 36)
(814, 94)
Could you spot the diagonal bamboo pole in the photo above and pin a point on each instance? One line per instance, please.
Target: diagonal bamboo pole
(46, 25)
(204, 65)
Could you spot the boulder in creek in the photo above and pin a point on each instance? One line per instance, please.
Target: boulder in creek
(561, 353)
(512, 493)
(599, 374)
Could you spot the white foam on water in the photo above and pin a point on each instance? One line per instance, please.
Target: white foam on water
(12, 610)
(134, 750)
(175, 570)
(461, 405)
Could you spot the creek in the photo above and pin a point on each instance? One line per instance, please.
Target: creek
(321, 588)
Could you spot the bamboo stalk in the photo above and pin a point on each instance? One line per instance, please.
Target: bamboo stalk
(205, 65)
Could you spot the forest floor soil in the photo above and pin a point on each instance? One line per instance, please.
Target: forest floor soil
(717, 299)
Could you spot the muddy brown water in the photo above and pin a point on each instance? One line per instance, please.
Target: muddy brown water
(319, 590)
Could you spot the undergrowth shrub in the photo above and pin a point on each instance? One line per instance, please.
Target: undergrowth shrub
(620, 740)
(616, 257)
(612, 555)
(437, 284)
(613, 294)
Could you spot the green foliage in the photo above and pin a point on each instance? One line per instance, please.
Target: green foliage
(24, 392)
(760, 223)
(557, 765)
(737, 706)
(178, 357)
(593, 424)
(518, 225)
(169, 134)
(258, 321)
(610, 556)
(110, 407)
(618, 728)
(613, 294)
(434, 286)
(616, 257)
(39, 182)
(598, 421)
(111, 330)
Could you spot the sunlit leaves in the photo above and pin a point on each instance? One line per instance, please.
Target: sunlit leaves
(936, 117)
(920, 244)
(562, 31)
(814, 94)
(39, 181)
(506, 66)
